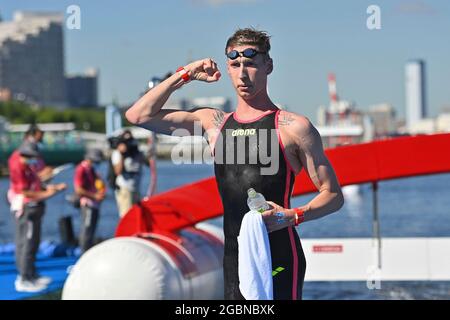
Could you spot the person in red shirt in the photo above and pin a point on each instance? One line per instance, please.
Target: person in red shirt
(35, 135)
(91, 190)
(27, 196)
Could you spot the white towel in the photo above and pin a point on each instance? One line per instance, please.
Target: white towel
(254, 260)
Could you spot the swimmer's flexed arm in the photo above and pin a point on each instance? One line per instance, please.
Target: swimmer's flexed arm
(147, 112)
(309, 151)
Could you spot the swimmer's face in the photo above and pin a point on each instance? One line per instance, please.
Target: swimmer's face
(249, 75)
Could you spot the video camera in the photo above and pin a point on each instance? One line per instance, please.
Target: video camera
(114, 142)
(131, 143)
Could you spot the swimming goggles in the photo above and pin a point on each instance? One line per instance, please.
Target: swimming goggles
(247, 53)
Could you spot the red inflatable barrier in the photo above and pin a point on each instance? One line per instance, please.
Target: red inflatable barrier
(354, 164)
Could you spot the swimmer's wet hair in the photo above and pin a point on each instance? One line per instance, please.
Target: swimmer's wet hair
(250, 36)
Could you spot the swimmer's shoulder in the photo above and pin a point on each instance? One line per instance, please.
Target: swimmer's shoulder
(212, 117)
(294, 123)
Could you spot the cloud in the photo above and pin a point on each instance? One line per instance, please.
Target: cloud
(217, 3)
(415, 7)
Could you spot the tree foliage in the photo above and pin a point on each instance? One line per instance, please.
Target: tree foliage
(90, 119)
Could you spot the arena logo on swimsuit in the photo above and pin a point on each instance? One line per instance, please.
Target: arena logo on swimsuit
(249, 146)
(242, 132)
(243, 146)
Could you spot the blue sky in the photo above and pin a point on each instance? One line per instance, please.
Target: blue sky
(131, 41)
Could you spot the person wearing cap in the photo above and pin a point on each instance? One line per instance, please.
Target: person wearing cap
(35, 135)
(26, 196)
(90, 188)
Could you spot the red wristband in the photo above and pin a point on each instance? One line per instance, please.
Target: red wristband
(299, 216)
(183, 73)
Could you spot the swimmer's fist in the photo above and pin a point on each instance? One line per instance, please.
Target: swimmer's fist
(203, 70)
(277, 217)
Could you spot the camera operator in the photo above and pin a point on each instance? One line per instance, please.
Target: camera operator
(127, 163)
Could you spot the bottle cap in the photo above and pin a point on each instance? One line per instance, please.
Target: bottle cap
(251, 192)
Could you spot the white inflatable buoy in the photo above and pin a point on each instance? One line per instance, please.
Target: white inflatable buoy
(153, 268)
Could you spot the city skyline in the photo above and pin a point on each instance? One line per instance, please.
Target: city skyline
(328, 38)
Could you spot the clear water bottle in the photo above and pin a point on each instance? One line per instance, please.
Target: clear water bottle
(256, 201)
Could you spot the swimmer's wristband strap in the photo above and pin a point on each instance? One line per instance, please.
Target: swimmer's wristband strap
(299, 216)
(183, 74)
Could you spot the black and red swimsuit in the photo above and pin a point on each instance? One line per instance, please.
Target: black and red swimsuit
(234, 178)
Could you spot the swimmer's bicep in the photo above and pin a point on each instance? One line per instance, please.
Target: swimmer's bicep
(314, 160)
(175, 122)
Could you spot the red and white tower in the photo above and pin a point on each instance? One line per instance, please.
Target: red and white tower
(333, 92)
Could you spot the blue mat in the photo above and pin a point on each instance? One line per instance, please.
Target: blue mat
(51, 263)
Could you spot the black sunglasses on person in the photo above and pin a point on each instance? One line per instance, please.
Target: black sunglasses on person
(247, 53)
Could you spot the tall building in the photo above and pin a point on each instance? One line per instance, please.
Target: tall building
(82, 89)
(32, 57)
(415, 95)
